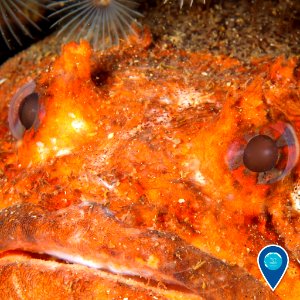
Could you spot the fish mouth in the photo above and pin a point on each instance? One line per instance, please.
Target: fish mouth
(87, 236)
(39, 268)
(80, 266)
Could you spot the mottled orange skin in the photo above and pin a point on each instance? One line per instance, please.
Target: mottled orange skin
(137, 163)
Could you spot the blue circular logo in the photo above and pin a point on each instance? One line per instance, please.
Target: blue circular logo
(273, 261)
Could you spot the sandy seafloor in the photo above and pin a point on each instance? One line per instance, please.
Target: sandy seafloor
(241, 29)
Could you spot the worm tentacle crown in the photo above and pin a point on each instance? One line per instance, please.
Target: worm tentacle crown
(19, 16)
(101, 22)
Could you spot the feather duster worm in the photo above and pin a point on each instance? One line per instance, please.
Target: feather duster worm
(181, 2)
(189, 2)
(102, 22)
(17, 16)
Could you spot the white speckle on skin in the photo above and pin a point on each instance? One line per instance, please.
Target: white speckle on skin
(199, 178)
(2, 80)
(192, 168)
(40, 144)
(42, 150)
(106, 184)
(110, 136)
(165, 100)
(295, 196)
(78, 125)
(297, 204)
(17, 288)
(63, 152)
(193, 98)
(181, 200)
(72, 115)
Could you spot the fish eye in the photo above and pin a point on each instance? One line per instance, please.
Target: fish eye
(28, 110)
(260, 154)
(23, 110)
(268, 155)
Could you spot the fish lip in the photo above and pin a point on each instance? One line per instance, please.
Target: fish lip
(53, 262)
(87, 233)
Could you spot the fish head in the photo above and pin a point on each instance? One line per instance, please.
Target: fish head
(133, 169)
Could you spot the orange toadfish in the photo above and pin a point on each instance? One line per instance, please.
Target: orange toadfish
(129, 174)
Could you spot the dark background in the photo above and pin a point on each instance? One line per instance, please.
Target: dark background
(237, 28)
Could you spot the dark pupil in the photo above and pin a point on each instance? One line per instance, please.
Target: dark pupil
(28, 110)
(261, 154)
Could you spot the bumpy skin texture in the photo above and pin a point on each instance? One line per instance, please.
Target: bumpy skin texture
(127, 173)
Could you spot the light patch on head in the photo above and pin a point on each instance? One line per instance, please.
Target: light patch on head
(153, 261)
(159, 117)
(106, 184)
(42, 150)
(110, 135)
(17, 286)
(192, 168)
(193, 98)
(2, 80)
(295, 196)
(63, 152)
(77, 123)
(199, 178)
(165, 100)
